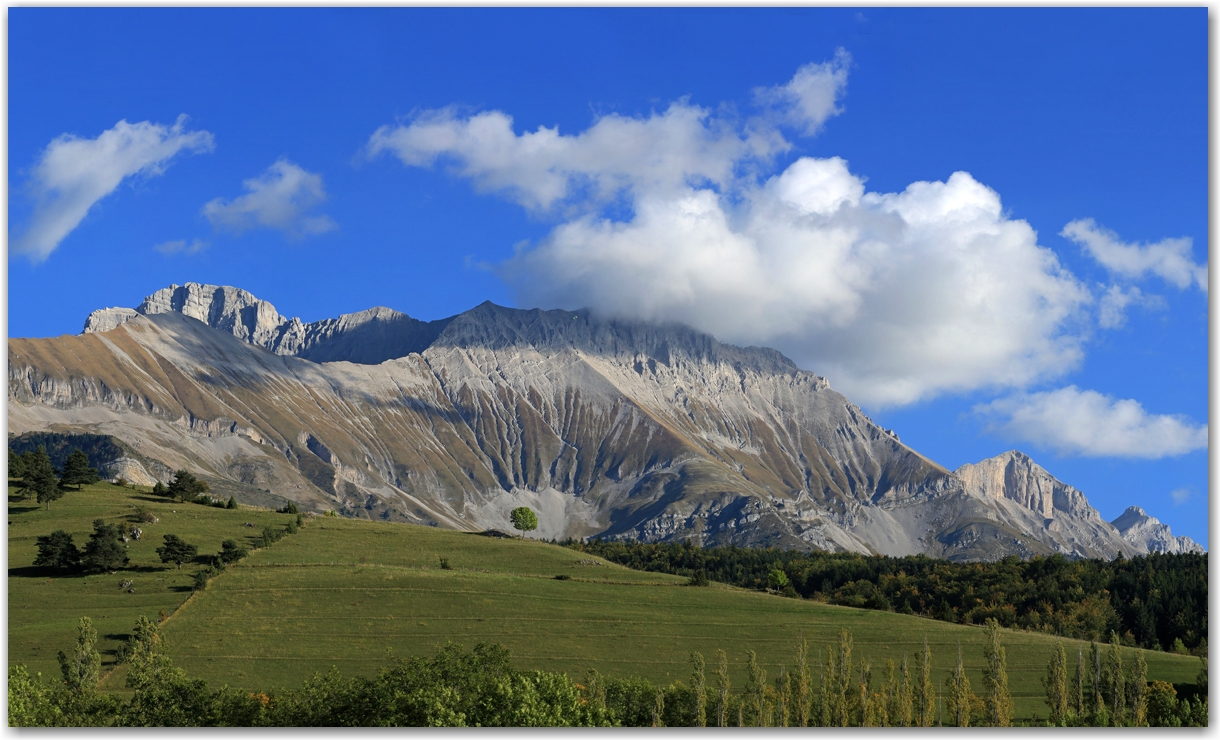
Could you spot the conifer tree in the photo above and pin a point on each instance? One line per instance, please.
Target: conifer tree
(925, 690)
(960, 697)
(722, 685)
(83, 668)
(1115, 683)
(77, 471)
(803, 693)
(104, 551)
(1056, 685)
(16, 466)
(1139, 691)
(995, 678)
(699, 687)
(40, 478)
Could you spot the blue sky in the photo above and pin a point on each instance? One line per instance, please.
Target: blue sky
(756, 173)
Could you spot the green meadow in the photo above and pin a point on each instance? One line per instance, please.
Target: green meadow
(356, 594)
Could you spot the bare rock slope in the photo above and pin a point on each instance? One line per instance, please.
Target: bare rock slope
(608, 428)
(1149, 535)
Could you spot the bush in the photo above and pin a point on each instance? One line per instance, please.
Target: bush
(698, 579)
(200, 580)
(290, 508)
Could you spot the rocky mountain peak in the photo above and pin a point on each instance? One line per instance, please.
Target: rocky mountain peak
(1150, 535)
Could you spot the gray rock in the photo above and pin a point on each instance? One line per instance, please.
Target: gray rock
(1149, 535)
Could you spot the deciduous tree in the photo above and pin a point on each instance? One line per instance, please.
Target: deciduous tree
(1056, 686)
(524, 519)
(995, 678)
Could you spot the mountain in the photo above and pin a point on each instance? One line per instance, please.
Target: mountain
(611, 428)
(1149, 535)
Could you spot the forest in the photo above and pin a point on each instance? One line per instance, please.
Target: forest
(1157, 602)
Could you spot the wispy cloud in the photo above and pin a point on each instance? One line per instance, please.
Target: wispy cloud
(1112, 308)
(1171, 259)
(1072, 421)
(673, 216)
(280, 198)
(74, 173)
(181, 246)
(1181, 495)
(811, 96)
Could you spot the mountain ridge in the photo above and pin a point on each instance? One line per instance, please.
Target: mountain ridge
(610, 428)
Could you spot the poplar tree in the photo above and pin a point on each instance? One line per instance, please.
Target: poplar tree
(868, 706)
(841, 716)
(1078, 684)
(658, 709)
(889, 695)
(925, 689)
(1115, 683)
(802, 698)
(826, 689)
(960, 697)
(83, 668)
(1139, 691)
(995, 678)
(1056, 685)
(1098, 704)
(722, 681)
(902, 717)
(757, 686)
(699, 686)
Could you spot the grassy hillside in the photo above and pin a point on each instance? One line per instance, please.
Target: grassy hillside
(343, 592)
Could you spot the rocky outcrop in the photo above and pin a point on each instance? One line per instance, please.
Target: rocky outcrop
(1149, 535)
(618, 429)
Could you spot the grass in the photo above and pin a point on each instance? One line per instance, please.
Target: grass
(352, 593)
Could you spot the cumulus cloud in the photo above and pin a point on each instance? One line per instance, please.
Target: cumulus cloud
(1072, 421)
(75, 173)
(1171, 259)
(280, 198)
(181, 246)
(811, 96)
(1112, 308)
(895, 296)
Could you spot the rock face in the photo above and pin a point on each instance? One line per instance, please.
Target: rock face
(1149, 535)
(610, 428)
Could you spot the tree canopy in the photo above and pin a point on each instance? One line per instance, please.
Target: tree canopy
(104, 551)
(57, 550)
(175, 550)
(77, 471)
(524, 518)
(186, 487)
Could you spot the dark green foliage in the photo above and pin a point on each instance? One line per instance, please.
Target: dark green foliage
(40, 478)
(699, 578)
(104, 551)
(186, 487)
(100, 449)
(231, 552)
(175, 550)
(159, 489)
(524, 518)
(232, 504)
(270, 535)
(77, 471)
(16, 466)
(57, 550)
(1149, 601)
(291, 527)
(290, 508)
(200, 580)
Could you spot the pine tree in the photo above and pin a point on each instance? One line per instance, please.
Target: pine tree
(57, 550)
(925, 689)
(40, 478)
(1056, 685)
(83, 668)
(1116, 690)
(1139, 691)
(16, 466)
(699, 687)
(722, 686)
(77, 471)
(960, 697)
(104, 551)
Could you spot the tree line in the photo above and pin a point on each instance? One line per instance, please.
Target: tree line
(1157, 601)
(481, 687)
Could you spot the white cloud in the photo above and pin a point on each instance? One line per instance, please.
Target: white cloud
(75, 173)
(1180, 495)
(811, 96)
(1170, 259)
(1112, 308)
(279, 199)
(1084, 422)
(181, 246)
(895, 297)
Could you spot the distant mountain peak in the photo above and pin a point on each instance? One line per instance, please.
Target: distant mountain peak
(1150, 535)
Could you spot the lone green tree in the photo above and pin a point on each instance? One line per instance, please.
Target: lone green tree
(524, 519)
(77, 471)
(186, 487)
(57, 550)
(231, 552)
(40, 478)
(104, 551)
(698, 685)
(83, 668)
(175, 550)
